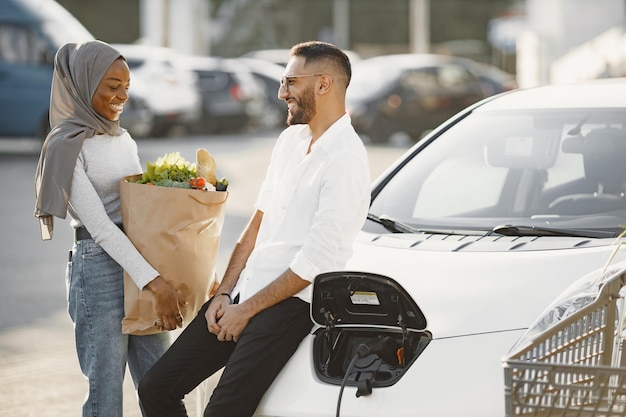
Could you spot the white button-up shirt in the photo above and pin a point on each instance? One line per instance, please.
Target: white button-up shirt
(313, 205)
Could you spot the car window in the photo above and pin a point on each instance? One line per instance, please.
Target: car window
(455, 77)
(448, 77)
(420, 79)
(64, 30)
(20, 45)
(460, 195)
(213, 80)
(493, 168)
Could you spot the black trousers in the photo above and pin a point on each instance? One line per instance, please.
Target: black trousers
(250, 365)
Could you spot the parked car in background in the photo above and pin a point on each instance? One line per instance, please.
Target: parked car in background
(269, 75)
(281, 56)
(494, 79)
(410, 93)
(232, 100)
(276, 56)
(470, 235)
(31, 31)
(168, 89)
(137, 116)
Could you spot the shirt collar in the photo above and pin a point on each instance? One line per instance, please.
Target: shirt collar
(328, 138)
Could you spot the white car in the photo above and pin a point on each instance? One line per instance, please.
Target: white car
(471, 234)
(169, 91)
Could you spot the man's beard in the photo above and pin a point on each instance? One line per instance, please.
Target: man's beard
(305, 109)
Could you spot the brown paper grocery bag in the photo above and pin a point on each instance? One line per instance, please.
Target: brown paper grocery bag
(178, 232)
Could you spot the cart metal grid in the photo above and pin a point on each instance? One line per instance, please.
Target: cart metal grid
(575, 367)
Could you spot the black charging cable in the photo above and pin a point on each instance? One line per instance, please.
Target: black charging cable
(362, 351)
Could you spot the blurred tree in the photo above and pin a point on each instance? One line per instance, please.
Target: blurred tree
(383, 22)
(463, 19)
(113, 21)
(376, 26)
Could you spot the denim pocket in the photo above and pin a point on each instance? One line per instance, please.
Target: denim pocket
(90, 249)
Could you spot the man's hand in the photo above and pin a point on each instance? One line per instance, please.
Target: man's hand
(167, 304)
(215, 311)
(226, 321)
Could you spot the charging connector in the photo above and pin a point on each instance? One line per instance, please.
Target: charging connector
(364, 387)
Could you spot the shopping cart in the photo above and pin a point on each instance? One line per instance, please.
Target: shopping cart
(575, 367)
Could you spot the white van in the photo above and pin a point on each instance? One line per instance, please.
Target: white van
(31, 32)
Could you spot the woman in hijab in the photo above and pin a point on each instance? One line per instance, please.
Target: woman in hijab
(83, 159)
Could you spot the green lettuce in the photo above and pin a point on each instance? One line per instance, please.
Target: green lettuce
(167, 170)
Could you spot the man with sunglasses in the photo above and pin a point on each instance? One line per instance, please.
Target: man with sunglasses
(312, 204)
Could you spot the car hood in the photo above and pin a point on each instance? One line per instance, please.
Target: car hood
(467, 285)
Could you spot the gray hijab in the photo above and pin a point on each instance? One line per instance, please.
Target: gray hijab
(78, 69)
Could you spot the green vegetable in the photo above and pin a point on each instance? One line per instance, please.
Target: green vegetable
(172, 167)
(222, 184)
(172, 184)
(172, 170)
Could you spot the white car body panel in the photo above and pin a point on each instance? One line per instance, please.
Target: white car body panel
(466, 335)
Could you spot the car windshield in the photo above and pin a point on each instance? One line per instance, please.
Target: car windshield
(516, 172)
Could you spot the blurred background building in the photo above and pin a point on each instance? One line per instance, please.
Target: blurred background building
(541, 41)
(233, 27)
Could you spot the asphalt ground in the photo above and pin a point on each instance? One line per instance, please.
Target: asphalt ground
(40, 375)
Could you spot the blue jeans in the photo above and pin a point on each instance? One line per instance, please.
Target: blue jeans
(95, 293)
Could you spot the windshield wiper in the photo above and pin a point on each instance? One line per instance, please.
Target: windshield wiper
(510, 230)
(398, 227)
(391, 224)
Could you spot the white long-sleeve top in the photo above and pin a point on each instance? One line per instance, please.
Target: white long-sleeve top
(95, 199)
(313, 203)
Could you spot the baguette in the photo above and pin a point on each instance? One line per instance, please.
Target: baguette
(205, 166)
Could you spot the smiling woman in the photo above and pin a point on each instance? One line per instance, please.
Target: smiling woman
(112, 92)
(82, 161)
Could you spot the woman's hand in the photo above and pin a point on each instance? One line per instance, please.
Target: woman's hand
(167, 304)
